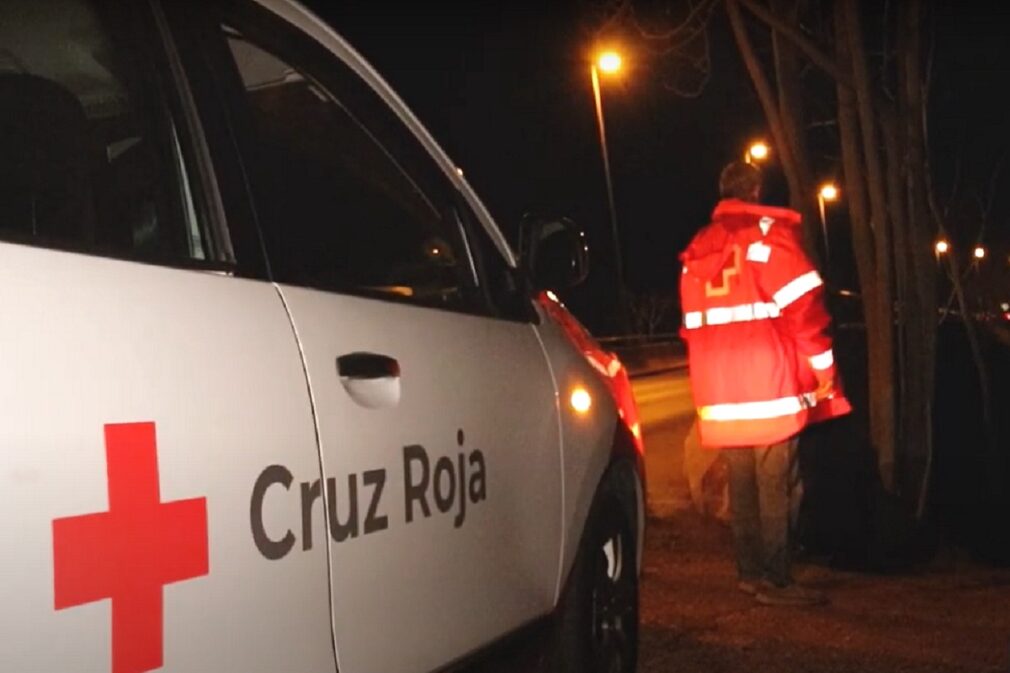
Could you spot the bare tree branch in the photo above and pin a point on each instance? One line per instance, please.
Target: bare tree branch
(805, 44)
(697, 15)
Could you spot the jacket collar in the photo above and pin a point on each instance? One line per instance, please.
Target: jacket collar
(736, 208)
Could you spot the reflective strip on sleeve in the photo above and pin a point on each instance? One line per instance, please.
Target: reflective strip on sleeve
(719, 316)
(725, 315)
(797, 287)
(758, 411)
(825, 360)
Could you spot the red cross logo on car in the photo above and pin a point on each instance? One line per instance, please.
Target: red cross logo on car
(130, 552)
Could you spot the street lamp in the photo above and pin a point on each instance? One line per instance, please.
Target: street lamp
(758, 151)
(828, 193)
(979, 252)
(942, 247)
(609, 62)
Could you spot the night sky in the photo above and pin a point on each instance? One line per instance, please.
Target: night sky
(506, 92)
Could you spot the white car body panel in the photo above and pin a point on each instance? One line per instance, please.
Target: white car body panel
(587, 438)
(440, 591)
(212, 361)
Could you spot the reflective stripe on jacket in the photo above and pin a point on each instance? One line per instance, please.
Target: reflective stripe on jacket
(756, 328)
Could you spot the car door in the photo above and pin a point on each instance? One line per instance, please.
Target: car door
(145, 389)
(437, 419)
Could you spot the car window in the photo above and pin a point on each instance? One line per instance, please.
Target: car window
(502, 284)
(338, 210)
(91, 159)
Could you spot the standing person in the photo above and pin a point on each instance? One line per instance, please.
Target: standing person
(761, 368)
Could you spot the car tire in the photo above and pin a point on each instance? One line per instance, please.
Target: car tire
(597, 620)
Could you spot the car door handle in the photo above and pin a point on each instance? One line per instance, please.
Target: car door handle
(370, 379)
(367, 366)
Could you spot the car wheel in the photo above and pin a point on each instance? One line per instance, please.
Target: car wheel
(598, 617)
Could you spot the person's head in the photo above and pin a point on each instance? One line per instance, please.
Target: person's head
(740, 180)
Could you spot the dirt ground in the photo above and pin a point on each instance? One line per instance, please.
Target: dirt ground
(951, 616)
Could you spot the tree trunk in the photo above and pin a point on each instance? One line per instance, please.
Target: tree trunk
(872, 255)
(908, 349)
(766, 95)
(793, 113)
(922, 273)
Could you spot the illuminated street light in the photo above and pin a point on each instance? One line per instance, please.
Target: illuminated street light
(758, 151)
(609, 62)
(942, 247)
(827, 193)
(979, 252)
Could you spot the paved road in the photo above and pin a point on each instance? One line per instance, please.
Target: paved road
(665, 409)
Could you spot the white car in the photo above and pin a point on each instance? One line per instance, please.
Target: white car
(276, 395)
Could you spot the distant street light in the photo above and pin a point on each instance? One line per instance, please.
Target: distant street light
(609, 62)
(942, 247)
(979, 252)
(827, 193)
(757, 152)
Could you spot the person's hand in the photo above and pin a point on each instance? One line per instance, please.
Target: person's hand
(825, 389)
(825, 385)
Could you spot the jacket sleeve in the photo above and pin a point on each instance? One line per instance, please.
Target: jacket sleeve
(790, 280)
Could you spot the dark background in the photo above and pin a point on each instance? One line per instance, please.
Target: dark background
(506, 91)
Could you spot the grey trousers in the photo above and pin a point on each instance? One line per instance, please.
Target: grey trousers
(761, 484)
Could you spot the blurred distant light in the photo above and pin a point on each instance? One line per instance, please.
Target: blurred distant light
(829, 191)
(758, 151)
(609, 62)
(979, 252)
(942, 247)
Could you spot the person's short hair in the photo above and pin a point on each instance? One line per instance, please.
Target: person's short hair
(740, 180)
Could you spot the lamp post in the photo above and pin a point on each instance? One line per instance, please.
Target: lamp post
(828, 193)
(609, 63)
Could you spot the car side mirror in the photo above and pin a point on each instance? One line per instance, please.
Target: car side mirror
(553, 252)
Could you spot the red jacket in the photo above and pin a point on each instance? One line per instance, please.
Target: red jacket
(756, 328)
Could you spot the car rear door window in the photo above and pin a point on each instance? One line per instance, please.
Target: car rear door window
(338, 211)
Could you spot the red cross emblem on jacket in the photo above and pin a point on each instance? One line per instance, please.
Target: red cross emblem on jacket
(130, 552)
